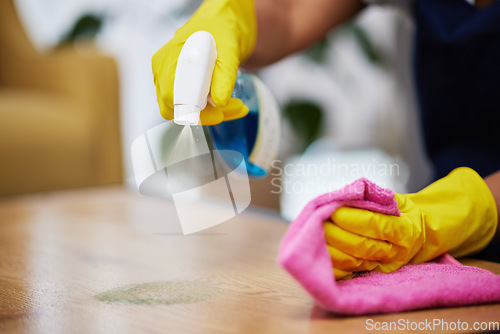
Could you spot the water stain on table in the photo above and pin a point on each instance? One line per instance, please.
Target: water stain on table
(160, 293)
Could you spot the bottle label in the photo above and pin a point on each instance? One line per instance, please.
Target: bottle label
(266, 145)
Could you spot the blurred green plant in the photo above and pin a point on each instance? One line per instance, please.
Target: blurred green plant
(369, 50)
(317, 53)
(86, 27)
(305, 118)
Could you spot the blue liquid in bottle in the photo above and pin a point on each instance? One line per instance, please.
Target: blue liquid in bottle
(240, 134)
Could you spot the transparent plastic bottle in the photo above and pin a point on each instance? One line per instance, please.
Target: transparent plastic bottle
(257, 135)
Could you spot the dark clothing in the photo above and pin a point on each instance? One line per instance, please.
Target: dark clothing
(457, 71)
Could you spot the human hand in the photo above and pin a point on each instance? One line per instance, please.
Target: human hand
(233, 26)
(456, 214)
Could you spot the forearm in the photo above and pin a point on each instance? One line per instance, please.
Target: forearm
(287, 26)
(493, 182)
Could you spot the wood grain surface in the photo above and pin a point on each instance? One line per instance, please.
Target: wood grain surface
(111, 261)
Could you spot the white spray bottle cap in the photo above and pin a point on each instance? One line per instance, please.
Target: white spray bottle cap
(193, 77)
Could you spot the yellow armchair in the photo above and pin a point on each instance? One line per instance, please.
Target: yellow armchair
(59, 114)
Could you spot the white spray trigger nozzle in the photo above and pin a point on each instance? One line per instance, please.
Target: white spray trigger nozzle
(193, 77)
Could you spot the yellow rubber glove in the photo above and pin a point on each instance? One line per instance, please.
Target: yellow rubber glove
(456, 214)
(233, 25)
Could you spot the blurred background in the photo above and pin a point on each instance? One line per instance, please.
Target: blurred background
(76, 88)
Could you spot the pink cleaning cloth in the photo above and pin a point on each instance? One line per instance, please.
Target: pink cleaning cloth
(443, 282)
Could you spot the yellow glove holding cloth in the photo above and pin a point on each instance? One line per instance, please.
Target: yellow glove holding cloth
(456, 214)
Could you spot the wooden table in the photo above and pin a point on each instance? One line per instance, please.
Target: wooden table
(112, 261)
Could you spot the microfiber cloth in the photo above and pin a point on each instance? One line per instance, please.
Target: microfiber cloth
(443, 282)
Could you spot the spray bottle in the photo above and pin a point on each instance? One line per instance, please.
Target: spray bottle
(256, 136)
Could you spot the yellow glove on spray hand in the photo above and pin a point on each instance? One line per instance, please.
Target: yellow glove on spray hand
(456, 214)
(233, 25)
